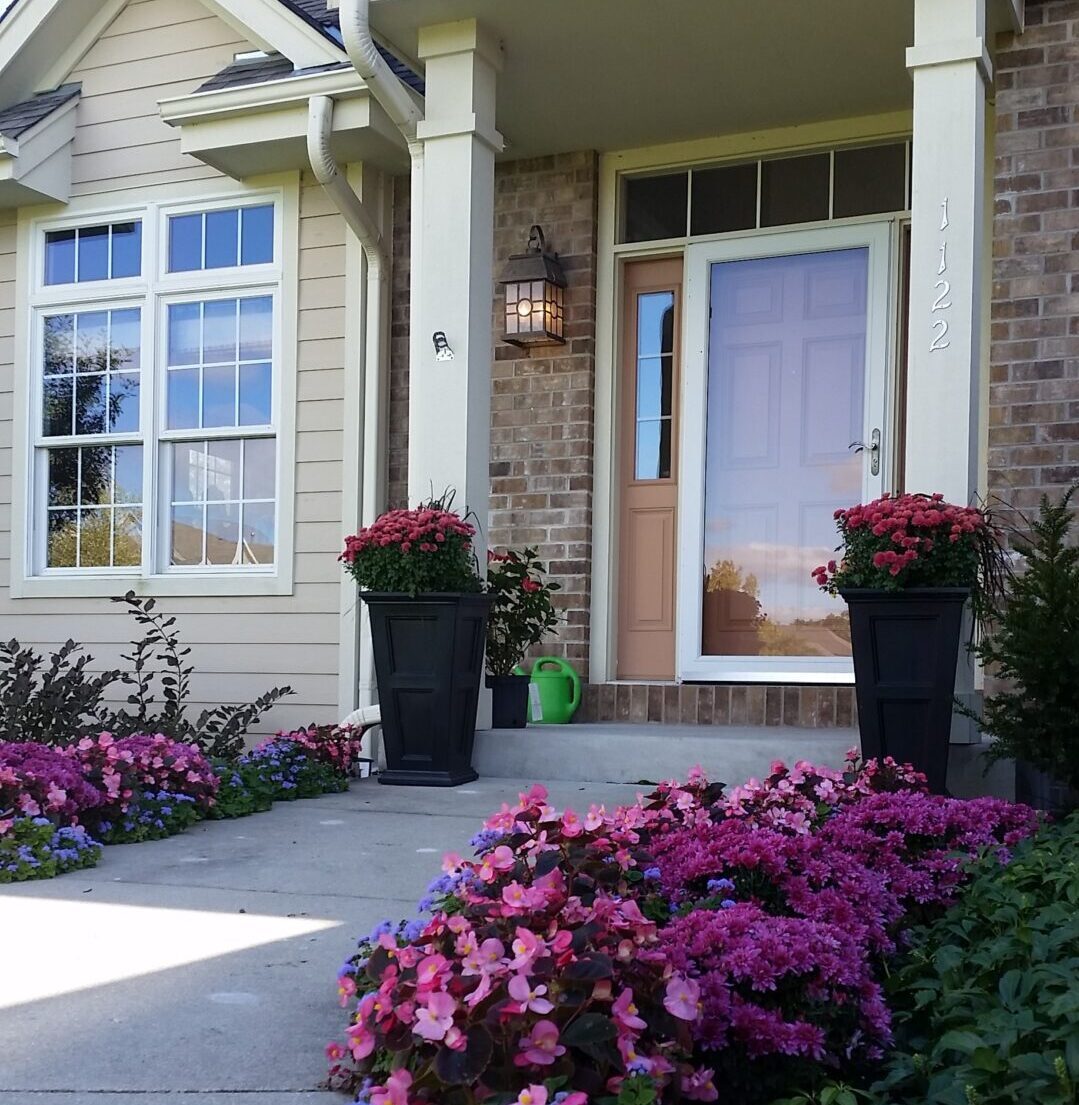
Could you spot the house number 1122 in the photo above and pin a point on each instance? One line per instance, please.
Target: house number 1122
(943, 288)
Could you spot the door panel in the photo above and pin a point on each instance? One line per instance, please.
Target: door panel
(648, 438)
(790, 371)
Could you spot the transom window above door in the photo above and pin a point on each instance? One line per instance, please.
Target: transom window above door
(155, 366)
(783, 191)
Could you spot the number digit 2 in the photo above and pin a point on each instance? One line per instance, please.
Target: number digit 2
(945, 289)
(940, 328)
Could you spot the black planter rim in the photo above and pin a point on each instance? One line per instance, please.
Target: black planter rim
(506, 680)
(878, 594)
(425, 596)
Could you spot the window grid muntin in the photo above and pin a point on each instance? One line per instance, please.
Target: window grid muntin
(666, 171)
(148, 291)
(662, 423)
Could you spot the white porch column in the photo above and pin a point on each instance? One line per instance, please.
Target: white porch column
(951, 70)
(449, 421)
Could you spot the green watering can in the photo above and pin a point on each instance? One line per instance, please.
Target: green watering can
(554, 693)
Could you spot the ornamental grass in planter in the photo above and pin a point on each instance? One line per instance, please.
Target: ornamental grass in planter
(910, 565)
(417, 574)
(521, 615)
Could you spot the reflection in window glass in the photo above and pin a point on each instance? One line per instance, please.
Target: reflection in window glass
(794, 190)
(91, 378)
(869, 181)
(94, 507)
(222, 510)
(724, 199)
(656, 207)
(221, 239)
(229, 382)
(110, 251)
(655, 374)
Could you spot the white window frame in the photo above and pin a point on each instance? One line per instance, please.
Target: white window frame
(151, 291)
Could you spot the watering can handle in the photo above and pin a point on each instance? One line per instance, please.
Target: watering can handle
(567, 670)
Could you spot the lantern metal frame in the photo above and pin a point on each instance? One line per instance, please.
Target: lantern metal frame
(534, 286)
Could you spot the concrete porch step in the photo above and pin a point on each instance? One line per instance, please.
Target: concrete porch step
(612, 752)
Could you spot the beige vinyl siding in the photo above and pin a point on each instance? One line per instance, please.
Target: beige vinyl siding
(240, 646)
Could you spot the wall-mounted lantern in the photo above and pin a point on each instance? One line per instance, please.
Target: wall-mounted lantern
(534, 284)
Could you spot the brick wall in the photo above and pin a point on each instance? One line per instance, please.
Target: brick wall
(1034, 381)
(542, 399)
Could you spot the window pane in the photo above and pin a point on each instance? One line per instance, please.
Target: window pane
(123, 402)
(125, 345)
(255, 396)
(183, 398)
(95, 538)
(92, 341)
(223, 533)
(258, 533)
(221, 239)
(90, 403)
(724, 199)
(259, 468)
(127, 482)
(58, 406)
(95, 476)
(185, 243)
(222, 470)
(126, 249)
(656, 207)
(63, 477)
(63, 539)
(93, 253)
(189, 472)
(794, 190)
(649, 387)
(257, 244)
(184, 338)
(60, 257)
(870, 180)
(647, 467)
(219, 331)
(127, 537)
(256, 328)
(59, 344)
(655, 323)
(219, 395)
(186, 535)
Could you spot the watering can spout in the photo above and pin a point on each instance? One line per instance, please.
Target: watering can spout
(555, 691)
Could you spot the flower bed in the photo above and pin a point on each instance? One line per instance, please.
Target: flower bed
(56, 805)
(691, 941)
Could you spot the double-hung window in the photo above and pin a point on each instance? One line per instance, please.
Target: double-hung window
(155, 368)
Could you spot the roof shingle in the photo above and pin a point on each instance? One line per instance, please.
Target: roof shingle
(19, 118)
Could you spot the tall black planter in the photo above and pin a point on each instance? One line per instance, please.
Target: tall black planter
(428, 662)
(906, 645)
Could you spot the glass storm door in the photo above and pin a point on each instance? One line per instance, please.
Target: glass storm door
(788, 380)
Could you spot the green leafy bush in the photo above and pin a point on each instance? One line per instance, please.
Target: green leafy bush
(1034, 647)
(522, 612)
(987, 1006)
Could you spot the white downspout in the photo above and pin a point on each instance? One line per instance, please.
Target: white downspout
(376, 296)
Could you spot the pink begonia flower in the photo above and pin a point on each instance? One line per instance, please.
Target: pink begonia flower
(28, 806)
(532, 1095)
(346, 987)
(562, 942)
(486, 958)
(466, 944)
(395, 1092)
(501, 859)
(5, 825)
(435, 1019)
(452, 863)
(540, 1046)
(361, 1040)
(56, 796)
(430, 971)
(699, 1086)
(458, 924)
(528, 997)
(594, 818)
(682, 999)
(480, 992)
(525, 947)
(335, 1052)
(625, 1013)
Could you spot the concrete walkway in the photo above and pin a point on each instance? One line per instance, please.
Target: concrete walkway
(201, 968)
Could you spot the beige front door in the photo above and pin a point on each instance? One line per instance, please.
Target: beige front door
(648, 434)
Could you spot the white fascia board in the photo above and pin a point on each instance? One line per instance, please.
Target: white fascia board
(246, 99)
(274, 28)
(36, 166)
(20, 25)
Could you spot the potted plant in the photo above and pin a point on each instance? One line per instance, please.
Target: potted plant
(521, 614)
(1032, 648)
(417, 574)
(910, 565)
